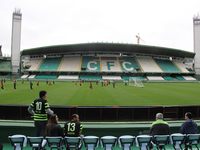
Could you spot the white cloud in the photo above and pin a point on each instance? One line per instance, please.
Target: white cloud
(52, 22)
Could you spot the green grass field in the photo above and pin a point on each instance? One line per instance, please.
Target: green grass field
(69, 94)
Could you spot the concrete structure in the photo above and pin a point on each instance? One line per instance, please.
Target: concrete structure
(0, 51)
(196, 26)
(15, 41)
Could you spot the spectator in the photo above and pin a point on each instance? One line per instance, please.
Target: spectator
(189, 126)
(53, 128)
(31, 85)
(15, 84)
(73, 128)
(39, 109)
(159, 127)
(2, 84)
(1, 146)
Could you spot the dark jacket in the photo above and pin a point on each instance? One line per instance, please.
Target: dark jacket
(159, 127)
(54, 130)
(189, 127)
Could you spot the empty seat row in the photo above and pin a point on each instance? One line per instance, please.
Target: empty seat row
(144, 142)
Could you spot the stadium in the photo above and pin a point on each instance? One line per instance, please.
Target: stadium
(132, 69)
(102, 82)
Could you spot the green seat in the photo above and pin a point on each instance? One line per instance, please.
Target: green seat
(50, 64)
(167, 65)
(90, 77)
(46, 77)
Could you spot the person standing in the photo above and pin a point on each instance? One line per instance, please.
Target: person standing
(189, 126)
(73, 128)
(31, 85)
(113, 84)
(91, 87)
(38, 83)
(2, 84)
(40, 108)
(15, 84)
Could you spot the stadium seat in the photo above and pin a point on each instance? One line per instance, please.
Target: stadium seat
(160, 141)
(166, 65)
(91, 142)
(50, 64)
(193, 139)
(18, 141)
(177, 140)
(55, 142)
(5, 65)
(108, 142)
(37, 142)
(73, 142)
(126, 141)
(144, 141)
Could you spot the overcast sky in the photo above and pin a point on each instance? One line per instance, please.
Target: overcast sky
(165, 23)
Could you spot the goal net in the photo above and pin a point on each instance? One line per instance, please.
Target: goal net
(135, 82)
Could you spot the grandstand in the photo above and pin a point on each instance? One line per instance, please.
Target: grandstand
(5, 68)
(98, 61)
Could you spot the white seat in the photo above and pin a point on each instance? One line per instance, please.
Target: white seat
(193, 139)
(55, 142)
(37, 142)
(143, 141)
(73, 142)
(126, 141)
(161, 141)
(91, 142)
(177, 139)
(108, 142)
(18, 141)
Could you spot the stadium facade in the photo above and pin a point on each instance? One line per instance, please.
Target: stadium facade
(107, 61)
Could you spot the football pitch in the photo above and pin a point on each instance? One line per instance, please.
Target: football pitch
(71, 94)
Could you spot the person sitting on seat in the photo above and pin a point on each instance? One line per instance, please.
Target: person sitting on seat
(73, 128)
(53, 128)
(159, 127)
(189, 126)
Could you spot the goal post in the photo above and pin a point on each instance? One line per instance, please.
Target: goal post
(135, 82)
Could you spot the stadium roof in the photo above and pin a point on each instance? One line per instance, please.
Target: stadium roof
(107, 48)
